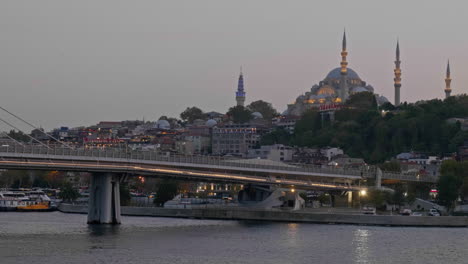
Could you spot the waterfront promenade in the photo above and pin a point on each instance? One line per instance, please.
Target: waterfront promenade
(305, 216)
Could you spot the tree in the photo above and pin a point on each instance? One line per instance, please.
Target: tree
(191, 114)
(167, 190)
(361, 131)
(277, 136)
(19, 136)
(448, 186)
(398, 196)
(264, 108)
(392, 166)
(239, 114)
(125, 196)
(68, 193)
(376, 197)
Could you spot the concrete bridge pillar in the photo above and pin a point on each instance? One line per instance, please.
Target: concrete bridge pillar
(378, 178)
(104, 199)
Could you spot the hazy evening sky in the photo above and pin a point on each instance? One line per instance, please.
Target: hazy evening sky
(70, 63)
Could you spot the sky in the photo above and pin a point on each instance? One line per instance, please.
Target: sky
(72, 63)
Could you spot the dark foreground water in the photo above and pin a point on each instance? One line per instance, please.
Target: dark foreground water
(65, 238)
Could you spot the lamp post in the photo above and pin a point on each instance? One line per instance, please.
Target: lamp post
(362, 193)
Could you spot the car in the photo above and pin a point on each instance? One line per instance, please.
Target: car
(416, 214)
(433, 212)
(405, 211)
(367, 209)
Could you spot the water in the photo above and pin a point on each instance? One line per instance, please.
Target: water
(65, 238)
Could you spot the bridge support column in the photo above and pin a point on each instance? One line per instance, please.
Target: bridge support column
(378, 178)
(104, 199)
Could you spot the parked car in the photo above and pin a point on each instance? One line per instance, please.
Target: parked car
(367, 209)
(405, 211)
(416, 214)
(433, 212)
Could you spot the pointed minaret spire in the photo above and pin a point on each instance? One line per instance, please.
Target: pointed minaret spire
(397, 71)
(240, 94)
(344, 41)
(398, 50)
(448, 80)
(344, 70)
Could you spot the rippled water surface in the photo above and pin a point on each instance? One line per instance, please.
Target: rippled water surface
(65, 238)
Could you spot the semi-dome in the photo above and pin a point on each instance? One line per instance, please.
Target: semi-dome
(336, 74)
(211, 123)
(163, 124)
(358, 89)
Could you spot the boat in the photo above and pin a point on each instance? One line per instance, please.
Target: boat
(27, 201)
(9, 201)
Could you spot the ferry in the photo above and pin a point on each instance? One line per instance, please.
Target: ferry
(9, 201)
(34, 200)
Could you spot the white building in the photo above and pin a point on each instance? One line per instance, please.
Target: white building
(330, 152)
(277, 152)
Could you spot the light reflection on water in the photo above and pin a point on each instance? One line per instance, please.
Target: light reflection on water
(65, 238)
(361, 246)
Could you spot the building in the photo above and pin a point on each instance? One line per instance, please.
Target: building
(285, 122)
(336, 88)
(277, 152)
(330, 152)
(236, 139)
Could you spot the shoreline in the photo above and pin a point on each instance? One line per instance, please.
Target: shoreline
(283, 216)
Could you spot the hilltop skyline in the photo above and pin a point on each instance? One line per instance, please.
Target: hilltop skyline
(65, 64)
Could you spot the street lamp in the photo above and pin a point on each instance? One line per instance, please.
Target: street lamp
(362, 193)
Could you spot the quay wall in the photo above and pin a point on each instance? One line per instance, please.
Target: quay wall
(285, 216)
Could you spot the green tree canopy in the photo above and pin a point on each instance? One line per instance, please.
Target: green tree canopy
(191, 114)
(264, 108)
(361, 131)
(125, 196)
(167, 190)
(239, 114)
(18, 136)
(68, 193)
(448, 186)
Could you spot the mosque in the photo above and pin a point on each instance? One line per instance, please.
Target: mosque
(335, 89)
(339, 84)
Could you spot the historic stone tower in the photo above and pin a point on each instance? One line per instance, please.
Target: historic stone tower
(397, 79)
(448, 80)
(240, 94)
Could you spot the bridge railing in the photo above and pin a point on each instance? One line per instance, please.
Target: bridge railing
(418, 177)
(102, 155)
(155, 156)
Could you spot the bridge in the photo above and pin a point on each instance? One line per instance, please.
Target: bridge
(109, 166)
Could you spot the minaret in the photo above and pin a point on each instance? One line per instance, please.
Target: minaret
(344, 70)
(397, 71)
(240, 94)
(448, 80)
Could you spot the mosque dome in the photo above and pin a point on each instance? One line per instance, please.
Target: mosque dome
(257, 115)
(381, 99)
(370, 88)
(336, 74)
(211, 123)
(163, 124)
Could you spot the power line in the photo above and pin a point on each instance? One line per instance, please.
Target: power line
(24, 133)
(33, 126)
